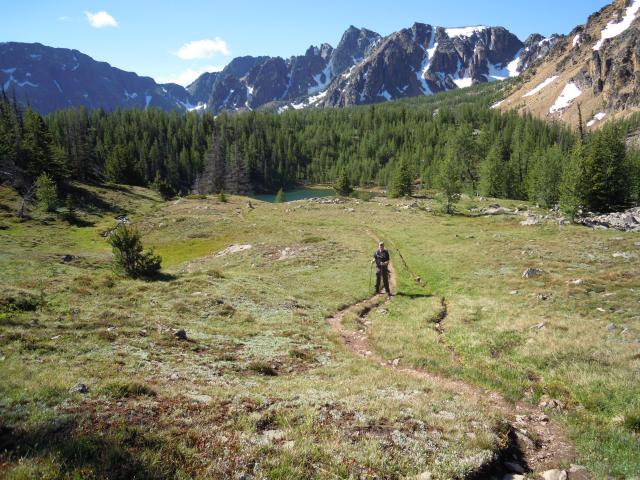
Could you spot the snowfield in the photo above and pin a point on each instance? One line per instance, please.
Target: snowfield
(547, 82)
(614, 29)
(464, 31)
(568, 95)
(596, 118)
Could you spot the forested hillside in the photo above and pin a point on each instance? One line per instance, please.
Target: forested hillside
(454, 134)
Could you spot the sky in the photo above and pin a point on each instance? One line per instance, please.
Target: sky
(175, 41)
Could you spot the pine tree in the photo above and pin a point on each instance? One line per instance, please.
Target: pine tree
(402, 184)
(607, 182)
(222, 197)
(572, 183)
(280, 197)
(493, 179)
(130, 258)
(343, 185)
(449, 176)
(543, 182)
(70, 211)
(46, 193)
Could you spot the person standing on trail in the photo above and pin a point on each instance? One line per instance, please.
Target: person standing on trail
(382, 259)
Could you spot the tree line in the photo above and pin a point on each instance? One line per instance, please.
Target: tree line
(453, 142)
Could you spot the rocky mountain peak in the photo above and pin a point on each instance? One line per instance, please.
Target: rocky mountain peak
(352, 48)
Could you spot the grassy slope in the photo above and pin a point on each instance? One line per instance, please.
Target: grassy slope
(208, 407)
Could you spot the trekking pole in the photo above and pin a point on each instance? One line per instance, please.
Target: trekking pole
(416, 278)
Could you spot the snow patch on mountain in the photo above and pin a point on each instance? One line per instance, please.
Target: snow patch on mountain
(147, 101)
(577, 41)
(547, 82)
(55, 82)
(497, 72)
(568, 95)
(596, 118)
(464, 31)
(327, 74)
(614, 29)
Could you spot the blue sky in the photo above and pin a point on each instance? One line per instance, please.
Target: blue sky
(175, 40)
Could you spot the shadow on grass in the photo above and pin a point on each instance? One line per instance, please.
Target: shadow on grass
(79, 222)
(90, 201)
(414, 295)
(160, 277)
(106, 454)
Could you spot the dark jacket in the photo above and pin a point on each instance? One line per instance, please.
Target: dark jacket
(382, 259)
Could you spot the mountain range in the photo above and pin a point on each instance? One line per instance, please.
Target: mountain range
(364, 68)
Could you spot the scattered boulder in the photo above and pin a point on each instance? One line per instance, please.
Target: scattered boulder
(180, 334)
(79, 388)
(395, 362)
(67, 258)
(627, 221)
(532, 272)
(578, 472)
(530, 220)
(611, 327)
(272, 436)
(576, 282)
(496, 209)
(544, 296)
(424, 476)
(554, 475)
(547, 403)
(233, 249)
(625, 255)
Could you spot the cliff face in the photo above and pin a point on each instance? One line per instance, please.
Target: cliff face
(596, 66)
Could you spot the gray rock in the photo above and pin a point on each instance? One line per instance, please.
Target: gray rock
(531, 220)
(67, 258)
(424, 476)
(181, 334)
(532, 272)
(554, 475)
(79, 388)
(611, 327)
(627, 221)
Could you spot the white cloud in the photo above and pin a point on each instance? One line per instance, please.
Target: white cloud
(188, 76)
(101, 19)
(64, 18)
(203, 49)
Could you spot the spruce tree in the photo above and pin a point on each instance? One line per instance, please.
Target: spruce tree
(493, 177)
(46, 193)
(70, 211)
(607, 171)
(449, 176)
(402, 183)
(343, 185)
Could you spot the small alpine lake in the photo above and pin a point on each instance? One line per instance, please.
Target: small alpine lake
(298, 194)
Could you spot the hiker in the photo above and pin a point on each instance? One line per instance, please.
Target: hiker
(381, 257)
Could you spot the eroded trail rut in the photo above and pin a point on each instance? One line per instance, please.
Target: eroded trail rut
(534, 441)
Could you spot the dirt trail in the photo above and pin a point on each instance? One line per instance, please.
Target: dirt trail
(535, 441)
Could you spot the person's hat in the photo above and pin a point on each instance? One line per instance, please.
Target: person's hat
(381, 244)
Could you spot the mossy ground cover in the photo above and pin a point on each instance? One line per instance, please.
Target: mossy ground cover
(261, 387)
